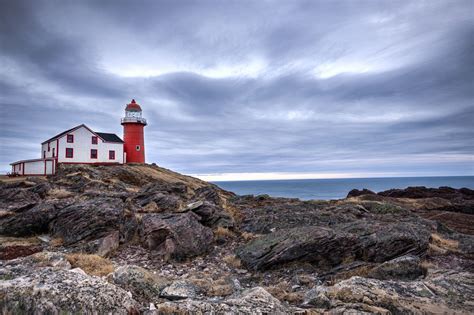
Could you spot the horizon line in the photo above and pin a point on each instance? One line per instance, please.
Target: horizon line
(228, 177)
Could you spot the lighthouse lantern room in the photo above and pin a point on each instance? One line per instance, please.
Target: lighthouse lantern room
(133, 133)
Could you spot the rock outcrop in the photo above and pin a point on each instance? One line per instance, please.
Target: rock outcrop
(329, 247)
(173, 244)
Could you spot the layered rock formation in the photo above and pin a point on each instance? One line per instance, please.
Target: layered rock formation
(176, 244)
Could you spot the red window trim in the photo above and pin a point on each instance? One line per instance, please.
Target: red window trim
(67, 138)
(111, 154)
(95, 139)
(96, 153)
(72, 153)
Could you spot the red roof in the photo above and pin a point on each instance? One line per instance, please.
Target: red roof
(133, 106)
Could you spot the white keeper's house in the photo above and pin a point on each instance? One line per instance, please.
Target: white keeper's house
(82, 145)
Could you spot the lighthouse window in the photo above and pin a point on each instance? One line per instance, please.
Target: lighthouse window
(137, 148)
(111, 155)
(70, 138)
(94, 139)
(69, 153)
(93, 154)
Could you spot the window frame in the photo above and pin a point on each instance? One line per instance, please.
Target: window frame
(95, 140)
(69, 150)
(96, 154)
(111, 154)
(69, 136)
(138, 147)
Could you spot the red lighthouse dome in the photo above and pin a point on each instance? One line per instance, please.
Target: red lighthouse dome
(133, 133)
(133, 106)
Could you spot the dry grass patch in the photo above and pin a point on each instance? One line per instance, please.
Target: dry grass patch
(444, 244)
(56, 242)
(222, 232)
(19, 241)
(248, 236)
(232, 261)
(91, 264)
(282, 291)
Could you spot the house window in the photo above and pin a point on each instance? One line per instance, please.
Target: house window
(48, 147)
(69, 153)
(111, 155)
(70, 138)
(94, 139)
(93, 153)
(54, 154)
(137, 148)
(44, 154)
(19, 167)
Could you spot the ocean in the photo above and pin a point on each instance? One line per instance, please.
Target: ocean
(326, 189)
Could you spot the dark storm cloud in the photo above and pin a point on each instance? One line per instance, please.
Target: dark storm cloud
(252, 86)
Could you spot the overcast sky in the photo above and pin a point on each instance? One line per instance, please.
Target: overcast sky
(248, 89)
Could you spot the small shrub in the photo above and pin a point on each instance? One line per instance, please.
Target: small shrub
(91, 264)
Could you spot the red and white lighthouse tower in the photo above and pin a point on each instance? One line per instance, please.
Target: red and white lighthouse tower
(133, 124)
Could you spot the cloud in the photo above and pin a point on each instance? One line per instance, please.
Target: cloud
(304, 87)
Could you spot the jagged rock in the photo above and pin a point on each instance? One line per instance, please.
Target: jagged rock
(402, 268)
(211, 215)
(423, 192)
(252, 301)
(328, 247)
(29, 222)
(448, 293)
(179, 290)
(357, 192)
(89, 220)
(33, 289)
(175, 235)
(144, 285)
(14, 199)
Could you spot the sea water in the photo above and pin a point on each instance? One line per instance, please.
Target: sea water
(326, 189)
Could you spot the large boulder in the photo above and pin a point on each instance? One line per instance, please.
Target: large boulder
(448, 293)
(27, 287)
(406, 267)
(328, 247)
(93, 223)
(210, 214)
(15, 198)
(175, 236)
(33, 221)
(144, 285)
(252, 301)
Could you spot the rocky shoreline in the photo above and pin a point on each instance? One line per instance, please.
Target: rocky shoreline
(140, 239)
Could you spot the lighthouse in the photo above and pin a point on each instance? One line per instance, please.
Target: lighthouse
(133, 124)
